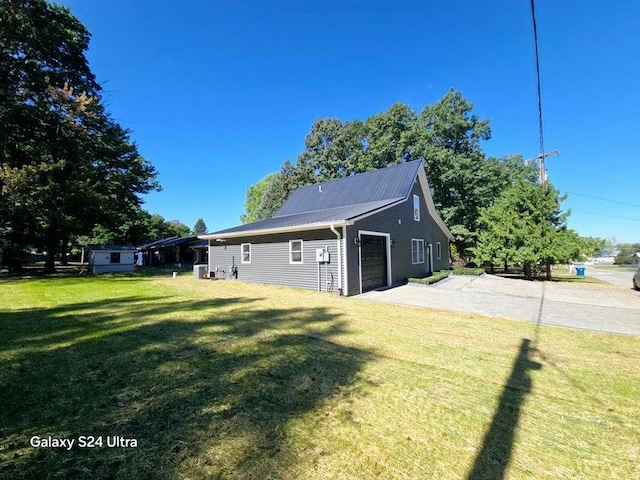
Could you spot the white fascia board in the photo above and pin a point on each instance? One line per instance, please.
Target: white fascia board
(424, 183)
(270, 231)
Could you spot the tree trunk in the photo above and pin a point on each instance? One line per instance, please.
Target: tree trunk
(64, 248)
(12, 258)
(52, 245)
(506, 266)
(548, 271)
(527, 270)
(492, 270)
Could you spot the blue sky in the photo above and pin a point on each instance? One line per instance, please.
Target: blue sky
(219, 93)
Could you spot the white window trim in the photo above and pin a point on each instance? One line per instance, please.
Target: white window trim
(242, 252)
(416, 211)
(291, 261)
(418, 241)
(438, 250)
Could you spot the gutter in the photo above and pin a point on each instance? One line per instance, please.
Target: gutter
(270, 231)
(339, 238)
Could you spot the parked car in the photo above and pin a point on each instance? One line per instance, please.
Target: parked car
(636, 280)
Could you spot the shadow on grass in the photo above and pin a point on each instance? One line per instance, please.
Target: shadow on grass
(207, 388)
(81, 271)
(493, 459)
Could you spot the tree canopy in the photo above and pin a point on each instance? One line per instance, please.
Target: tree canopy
(626, 251)
(65, 164)
(199, 227)
(446, 135)
(255, 194)
(527, 226)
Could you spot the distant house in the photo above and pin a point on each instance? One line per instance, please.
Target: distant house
(635, 260)
(350, 235)
(111, 258)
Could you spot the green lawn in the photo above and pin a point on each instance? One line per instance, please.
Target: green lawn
(232, 380)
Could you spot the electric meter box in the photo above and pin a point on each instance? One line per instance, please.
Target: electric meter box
(322, 255)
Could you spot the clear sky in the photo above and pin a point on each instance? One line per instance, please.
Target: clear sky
(219, 93)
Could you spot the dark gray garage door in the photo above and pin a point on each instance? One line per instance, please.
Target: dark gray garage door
(374, 261)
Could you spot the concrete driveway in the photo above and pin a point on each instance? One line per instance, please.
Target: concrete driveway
(623, 277)
(586, 306)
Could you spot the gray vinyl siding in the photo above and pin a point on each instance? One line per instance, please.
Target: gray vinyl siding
(270, 259)
(387, 221)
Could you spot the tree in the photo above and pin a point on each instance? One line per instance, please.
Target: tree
(626, 252)
(526, 226)
(389, 137)
(333, 149)
(463, 181)
(446, 135)
(283, 184)
(593, 246)
(498, 238)
(255, 194)
(175, 228)
(65, 165)
(199, 227)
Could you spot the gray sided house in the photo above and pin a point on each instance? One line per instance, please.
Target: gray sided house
(350, 235)
(111, 258)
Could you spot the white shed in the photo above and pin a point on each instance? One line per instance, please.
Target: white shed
(111, 258)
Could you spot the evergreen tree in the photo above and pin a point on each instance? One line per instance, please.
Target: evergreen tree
(199, 228)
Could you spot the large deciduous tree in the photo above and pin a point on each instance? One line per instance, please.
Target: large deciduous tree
(447, 135)
(254, 197)
(65, 165)
(289, 178)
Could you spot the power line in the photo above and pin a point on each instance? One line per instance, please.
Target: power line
(604, 199)
(540, 129)
(606, 215)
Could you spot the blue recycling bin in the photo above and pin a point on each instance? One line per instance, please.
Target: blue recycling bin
(580, 271)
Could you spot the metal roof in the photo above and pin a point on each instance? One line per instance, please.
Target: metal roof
(200, 244)
(114, 248)
(385, 184)
(167, 242)
(318, 217)
(154, 243)
(336, 201)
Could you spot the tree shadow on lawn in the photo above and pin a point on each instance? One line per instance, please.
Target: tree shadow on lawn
(209, 394)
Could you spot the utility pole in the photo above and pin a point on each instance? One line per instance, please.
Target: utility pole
(541, 158)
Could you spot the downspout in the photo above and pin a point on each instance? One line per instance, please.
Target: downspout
(337, 234)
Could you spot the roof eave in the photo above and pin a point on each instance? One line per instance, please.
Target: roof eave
(270, 231)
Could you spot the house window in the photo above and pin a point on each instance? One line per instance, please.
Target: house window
(295, 251)
(417, 251)
(438, 250)
(416, 208)
(246, 253)
(114, 257)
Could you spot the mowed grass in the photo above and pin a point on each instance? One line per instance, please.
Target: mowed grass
(233, 380)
